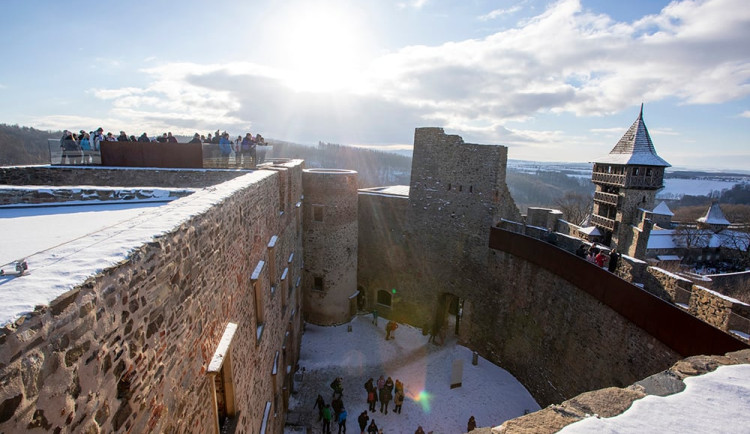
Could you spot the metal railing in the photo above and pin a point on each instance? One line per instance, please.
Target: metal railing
(73, 156)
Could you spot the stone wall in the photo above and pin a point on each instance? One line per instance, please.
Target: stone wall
(110, 176)
(128, 349)
(735, 285)
(719, 310)
(35, 196)
(329, 219)
(667, 286)
(612, 401)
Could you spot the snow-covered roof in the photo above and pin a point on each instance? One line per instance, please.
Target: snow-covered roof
(634, 148)
(591, 231)
(662, 239)
(662, 209)
(668, 258)
(391, 190)
(714, 216)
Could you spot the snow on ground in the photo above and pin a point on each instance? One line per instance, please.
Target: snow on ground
(717, 402)
(488, 392)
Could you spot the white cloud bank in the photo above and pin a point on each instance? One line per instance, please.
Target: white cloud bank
(566, 60)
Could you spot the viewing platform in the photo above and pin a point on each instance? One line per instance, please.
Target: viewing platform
(156, 154)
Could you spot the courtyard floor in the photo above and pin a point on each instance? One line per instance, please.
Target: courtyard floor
(487, 392)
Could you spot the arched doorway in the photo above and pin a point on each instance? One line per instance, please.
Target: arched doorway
(447, 322)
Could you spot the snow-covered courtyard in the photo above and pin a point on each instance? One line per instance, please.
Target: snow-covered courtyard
(487, 392)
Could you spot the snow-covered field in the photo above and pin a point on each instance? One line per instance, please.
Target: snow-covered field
(675, 188)
(488, 392)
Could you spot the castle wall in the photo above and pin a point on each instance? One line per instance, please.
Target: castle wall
(35, 196)
(330, 241)
(129, 348)
(109, 176)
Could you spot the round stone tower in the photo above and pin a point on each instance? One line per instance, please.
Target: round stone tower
(329, 240)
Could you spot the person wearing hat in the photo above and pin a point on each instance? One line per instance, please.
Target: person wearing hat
(123, 137)
(196, 138)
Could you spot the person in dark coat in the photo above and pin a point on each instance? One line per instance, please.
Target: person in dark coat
(581, 251)
(372, 395)
(320, 404)
(471, 424)
(386, 394)
(362, 419)
(372, 429)
(419, 430)
(613, 258)
(337, 405)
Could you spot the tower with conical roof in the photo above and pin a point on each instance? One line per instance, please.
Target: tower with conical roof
(714, 219)
(627, 180)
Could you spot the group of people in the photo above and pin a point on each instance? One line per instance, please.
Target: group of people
(251, 149)
(383, 390)
(599, 257)
(80, 148)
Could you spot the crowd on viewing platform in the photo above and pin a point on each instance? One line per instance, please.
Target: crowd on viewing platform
(218, 149)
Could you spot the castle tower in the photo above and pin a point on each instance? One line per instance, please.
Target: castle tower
(330, 233)
(714, 219)
(627, 180)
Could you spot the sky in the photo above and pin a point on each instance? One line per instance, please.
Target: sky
(554, 80)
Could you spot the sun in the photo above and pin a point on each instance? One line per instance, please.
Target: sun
(322, 46)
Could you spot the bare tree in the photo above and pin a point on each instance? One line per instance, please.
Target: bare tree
(574, 206)
(739, 244)
(691, 237)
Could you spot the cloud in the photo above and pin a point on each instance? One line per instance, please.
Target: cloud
(415, 4)
(499, 12)
(745, 114)
(566, 60)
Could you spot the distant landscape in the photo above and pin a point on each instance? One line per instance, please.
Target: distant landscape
(564, 186)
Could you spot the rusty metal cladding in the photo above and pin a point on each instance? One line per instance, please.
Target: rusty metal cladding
(151, 154)
(674, 327)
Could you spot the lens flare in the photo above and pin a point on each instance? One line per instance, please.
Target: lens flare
(423, 399)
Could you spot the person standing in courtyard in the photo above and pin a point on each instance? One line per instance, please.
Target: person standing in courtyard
(419, 430)
(389, 329)
(371, 395)
(398, 400)
(372, 429)
(386, 394)
(342, 420)
(375, 316)
(362, 420)
(319, 403)
(471, 425)
(327, 419)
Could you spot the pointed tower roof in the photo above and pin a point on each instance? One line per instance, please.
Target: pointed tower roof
(634, 148)
(663, 209)
(714, 216)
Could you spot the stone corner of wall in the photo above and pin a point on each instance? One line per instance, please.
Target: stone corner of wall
(612, 401)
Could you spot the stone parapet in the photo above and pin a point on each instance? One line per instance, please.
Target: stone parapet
(128, 349)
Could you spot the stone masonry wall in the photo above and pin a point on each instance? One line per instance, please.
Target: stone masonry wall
(120, 177)
(667, 286)
(555, 338)
(19, 195)
(127, 350)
